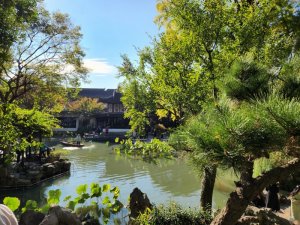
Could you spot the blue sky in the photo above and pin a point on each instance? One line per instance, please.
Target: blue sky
(110, 28)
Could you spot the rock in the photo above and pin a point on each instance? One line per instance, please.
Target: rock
(22, 182)
(60, 216)
(59, 166)
(51, 220)
(66, 166)
(91, 221)
(31, 217)
(49, 170)
(33, 173)
(262, 216)
(138, 203)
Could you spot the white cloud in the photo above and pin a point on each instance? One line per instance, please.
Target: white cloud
(99, 66)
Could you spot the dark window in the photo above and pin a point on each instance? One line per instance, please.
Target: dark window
(67, 122)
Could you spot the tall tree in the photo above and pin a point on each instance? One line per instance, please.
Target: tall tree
(40, 56)
(252, 121)
(203, 26)
(44, 57)
(137, 95)
(14, 17)
(223, 31)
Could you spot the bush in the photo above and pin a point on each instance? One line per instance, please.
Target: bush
(174, 214)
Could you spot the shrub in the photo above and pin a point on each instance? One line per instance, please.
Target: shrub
(173, 214)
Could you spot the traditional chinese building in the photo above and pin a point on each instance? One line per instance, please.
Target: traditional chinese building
(111, 116)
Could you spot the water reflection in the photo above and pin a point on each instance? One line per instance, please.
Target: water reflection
(168, 180)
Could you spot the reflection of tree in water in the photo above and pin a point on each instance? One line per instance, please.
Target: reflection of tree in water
(172, 176)
(223, 186)
(119, 165)
(225, 181)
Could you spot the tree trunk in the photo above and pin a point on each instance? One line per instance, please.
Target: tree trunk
(207, 185)
(240, 199)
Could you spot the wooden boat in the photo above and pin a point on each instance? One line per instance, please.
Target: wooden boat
(70, 144)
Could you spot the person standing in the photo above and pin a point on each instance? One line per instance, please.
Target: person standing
(78, 139)
(272, 200)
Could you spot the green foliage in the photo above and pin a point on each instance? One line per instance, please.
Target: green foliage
(19, 128)
(30, 205)
(40, 56)
(59, 153)
(148, 151)
(285, 112)
(253, 112)
(53, 197)
(12, 203)
(253, 123)
(137, 96)
(173, 214)
(246, 80)
(176, 70)
(14, 16)
(85, 106)
(35, 50)
(110, 205)
(275, 159)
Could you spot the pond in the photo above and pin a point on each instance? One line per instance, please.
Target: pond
(168, 180)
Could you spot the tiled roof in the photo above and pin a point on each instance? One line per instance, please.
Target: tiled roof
(104, 95)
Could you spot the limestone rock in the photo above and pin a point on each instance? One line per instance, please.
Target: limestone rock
(49, 170)
(262, 216)
(60, 216)
(50, 219)
(139, 202)
(22, 182)
(31, 217)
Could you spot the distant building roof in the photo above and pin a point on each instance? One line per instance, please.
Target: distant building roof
(104, 95)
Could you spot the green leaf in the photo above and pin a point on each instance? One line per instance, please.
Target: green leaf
(116, 192)
(67, 198)
(118, 151)
(12, 202)
(81, 189)
(117, 140)
(30, 205)
(71, 205)
(106, 187)
(117, 206)
(85, 196)
(95, 190)
(53, 197)
(45, 208)
(106, 200)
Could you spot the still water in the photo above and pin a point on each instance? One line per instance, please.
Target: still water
(168, 180)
